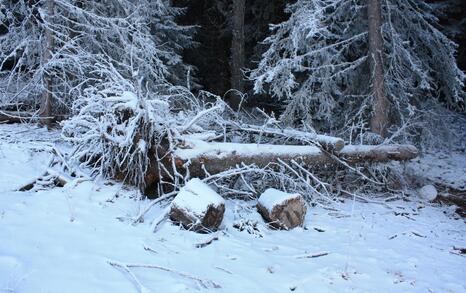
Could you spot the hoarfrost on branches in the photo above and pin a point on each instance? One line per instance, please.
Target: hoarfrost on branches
(317, 61)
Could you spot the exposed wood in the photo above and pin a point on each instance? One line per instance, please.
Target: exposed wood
(380, 106)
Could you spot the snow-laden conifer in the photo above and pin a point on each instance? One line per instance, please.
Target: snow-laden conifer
(318, 62)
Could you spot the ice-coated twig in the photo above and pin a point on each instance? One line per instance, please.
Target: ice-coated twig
(136, 281)
(219, 107)
(141, 215)
(160, 219)
(205, 283)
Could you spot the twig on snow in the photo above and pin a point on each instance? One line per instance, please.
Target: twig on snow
(148, 248)
(141, 215)
(315, 255)
(126, 266)
(161, 218)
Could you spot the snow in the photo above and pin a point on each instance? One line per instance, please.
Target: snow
(196, 197)
(61, 239)
(428, 192)
(273, 197)
(197, 147)
(447, 169)
(221, 150)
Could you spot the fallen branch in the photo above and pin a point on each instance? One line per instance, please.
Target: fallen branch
(160, 219)
(204, 283)
(140, 287)
(20, 117)
(140, 217)
(329, 143)
(312, 255)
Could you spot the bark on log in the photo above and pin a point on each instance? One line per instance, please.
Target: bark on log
(218, 157)
(223, 156)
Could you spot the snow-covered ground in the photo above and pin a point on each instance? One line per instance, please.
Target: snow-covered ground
(63, 240)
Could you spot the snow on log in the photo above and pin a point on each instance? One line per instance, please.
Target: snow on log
(282, 210)
(328, 143)
(218, 157)
(197, 207)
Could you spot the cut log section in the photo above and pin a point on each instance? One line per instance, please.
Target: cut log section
(282, 210)
(197, 207)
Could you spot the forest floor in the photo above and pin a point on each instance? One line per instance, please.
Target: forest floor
(64, 239)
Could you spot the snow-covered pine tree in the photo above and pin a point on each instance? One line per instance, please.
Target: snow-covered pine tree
(123, 105)
(113, 63)
(318, 62)
(94, 42)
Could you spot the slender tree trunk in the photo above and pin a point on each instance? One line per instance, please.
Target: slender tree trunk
(46, 102)
(237, 52)
(380, 119)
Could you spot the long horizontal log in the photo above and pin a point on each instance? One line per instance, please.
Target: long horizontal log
(218, 157)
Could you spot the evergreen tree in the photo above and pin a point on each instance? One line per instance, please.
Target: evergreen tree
(63, 47)
(318, 61)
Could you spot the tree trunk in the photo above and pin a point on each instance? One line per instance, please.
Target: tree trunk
(237, 52)
(217, 157)
(46, 102)
(380, 107)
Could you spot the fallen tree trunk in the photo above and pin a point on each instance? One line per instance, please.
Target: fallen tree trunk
(218, 157)
(213, 158)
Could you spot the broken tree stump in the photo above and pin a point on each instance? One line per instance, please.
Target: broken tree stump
(197, 207)
(282, 210)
